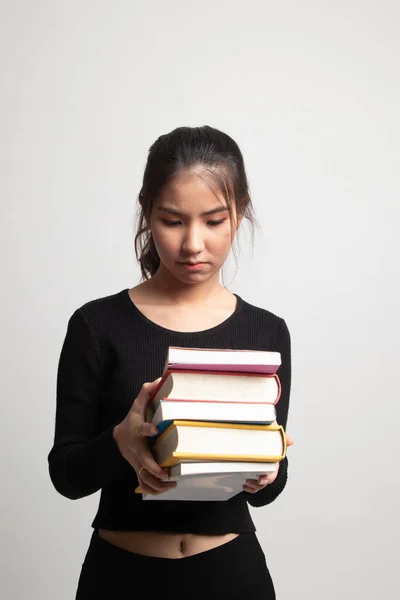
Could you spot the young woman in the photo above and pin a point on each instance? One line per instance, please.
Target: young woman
(193, 198)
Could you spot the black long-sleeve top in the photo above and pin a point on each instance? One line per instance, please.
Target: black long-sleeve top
(110, 349)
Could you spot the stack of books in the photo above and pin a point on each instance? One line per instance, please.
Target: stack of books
(215, 411)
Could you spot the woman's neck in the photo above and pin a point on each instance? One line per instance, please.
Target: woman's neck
(177, 293)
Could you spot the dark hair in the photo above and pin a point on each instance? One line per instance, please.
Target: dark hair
(214, 155)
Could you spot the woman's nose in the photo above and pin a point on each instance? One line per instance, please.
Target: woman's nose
(192, 242)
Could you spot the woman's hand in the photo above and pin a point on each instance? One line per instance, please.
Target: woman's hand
(255, 485)
(131, 438)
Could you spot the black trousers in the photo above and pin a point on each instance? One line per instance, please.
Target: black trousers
(236, 570)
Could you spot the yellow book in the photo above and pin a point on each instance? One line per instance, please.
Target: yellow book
(219, 441)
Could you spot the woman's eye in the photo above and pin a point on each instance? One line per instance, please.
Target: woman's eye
(171, 223)
(175, 223)
(215, 223)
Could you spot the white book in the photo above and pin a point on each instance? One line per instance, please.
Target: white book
(170, 410)
(211, 481)
(218, 386)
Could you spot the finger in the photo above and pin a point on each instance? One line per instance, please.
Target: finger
(149, 489)
(252, 484)
(263, 480)
(246, 488)
(289, 441)
(153, 482)
(147, 460)
(146, 429)
(144, 488)
(143, 398)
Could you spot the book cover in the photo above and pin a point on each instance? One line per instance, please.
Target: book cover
(213, 359)
(200, 440)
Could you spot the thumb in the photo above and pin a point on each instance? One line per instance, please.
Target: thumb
(147, 429)
(143, 398)
(150, 387)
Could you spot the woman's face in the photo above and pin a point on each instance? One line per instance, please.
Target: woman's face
(191, 229)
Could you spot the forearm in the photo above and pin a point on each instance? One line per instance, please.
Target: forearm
(81, 468)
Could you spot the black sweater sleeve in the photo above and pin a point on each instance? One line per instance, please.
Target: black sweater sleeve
(271, 492)
(82, 459)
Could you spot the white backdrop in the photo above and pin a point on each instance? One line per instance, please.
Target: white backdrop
(310, 91)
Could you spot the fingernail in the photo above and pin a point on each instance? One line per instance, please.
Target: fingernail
(153, 430)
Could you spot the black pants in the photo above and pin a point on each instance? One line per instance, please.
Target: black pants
(235, 570)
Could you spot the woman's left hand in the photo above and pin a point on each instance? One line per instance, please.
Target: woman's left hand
(255, 485)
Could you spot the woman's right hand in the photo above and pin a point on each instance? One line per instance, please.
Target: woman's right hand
(131, 438)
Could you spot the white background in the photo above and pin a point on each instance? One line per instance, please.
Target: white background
(310, 91)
